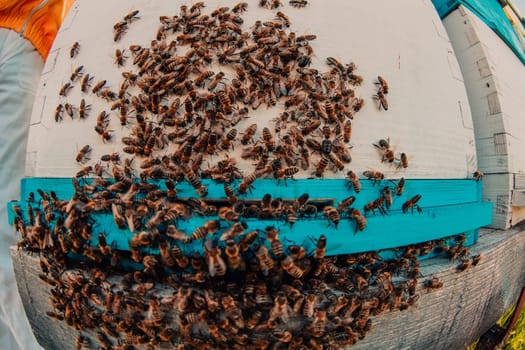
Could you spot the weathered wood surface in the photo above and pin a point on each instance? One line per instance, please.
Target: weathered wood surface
(448, 318)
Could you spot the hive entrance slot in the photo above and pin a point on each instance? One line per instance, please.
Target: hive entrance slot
(319, 203)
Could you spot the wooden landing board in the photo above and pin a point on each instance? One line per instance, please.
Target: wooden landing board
(449, 207)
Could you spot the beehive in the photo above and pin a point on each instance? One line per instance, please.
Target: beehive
(494, 76)
(441, 153)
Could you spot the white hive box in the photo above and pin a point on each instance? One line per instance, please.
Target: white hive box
(495, 81)
(429, 117)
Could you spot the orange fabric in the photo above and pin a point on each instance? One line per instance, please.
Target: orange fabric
(43, 24)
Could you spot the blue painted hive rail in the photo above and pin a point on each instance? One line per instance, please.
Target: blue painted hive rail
(448, 207)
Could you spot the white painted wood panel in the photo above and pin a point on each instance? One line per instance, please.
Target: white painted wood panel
(495, 81)
(429, 116)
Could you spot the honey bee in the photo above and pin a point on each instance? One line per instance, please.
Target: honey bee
(347, 130)
(387, 152)
(374, 175)
(332, 215)
(247, 135)
(165, 254)
(107, 95)
(338, 163)
(201, 78)
(119, 31)
(358, 104)
(387, 195)
(82, 154)
(281, 16)
(111, 157)
(383, 85)
(85, 83)
(268, 139)
(75, 48)
(133, 15)
(104, 133)
(209, 227)
(382, 101)
(230, 194)
(228, 214)
(105, 249)
(403, 160)
(247, 183)
(82, 342)
(360, 220)
(375, 204)
(181, 236)
(478, 175)
(211, 148)
(319, 323)
(233, 311)
(181, 259)
(215, 81)
(194, 180)
(309, 305)
(216, 265)
(476, 259)
(77, 73)
(85, 171)
(118, 216)
(58, 112)
(275, 4)
(227, 140)
(412, 203)
(98, 86)
(247, 240)
(353, 181)
(119, 57)
(266, 262)
(234, 231)
(294, 100)
(102, 119)
(400, 186)
(65, 89)
(69, 110)
(197, 6)
(273, 237)
(283, 173)
(345, 204)
(305, 158)
(320, 249)
(240, 7)
(433, 283)
(321, 166)
(464, 264)
(234, 259)
(83, 109)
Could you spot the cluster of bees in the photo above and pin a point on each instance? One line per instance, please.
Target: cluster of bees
(181, 102)
(249, 289)
(253, 292)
